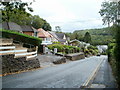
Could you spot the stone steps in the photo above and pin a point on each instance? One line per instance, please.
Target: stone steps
(4, 41)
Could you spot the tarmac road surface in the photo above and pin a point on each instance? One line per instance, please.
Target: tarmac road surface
(69, 75)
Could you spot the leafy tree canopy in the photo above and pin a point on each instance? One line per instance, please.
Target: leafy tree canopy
(109, 12)
(14, 8)
(17, 12)
(87, 37)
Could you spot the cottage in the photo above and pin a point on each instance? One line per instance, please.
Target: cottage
(78, 43)
(74, 42)
(62, 38)
(11, 26)
(54, 36)
(45, 36)
(28, 30)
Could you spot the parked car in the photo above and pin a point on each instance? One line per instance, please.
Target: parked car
(98, 54)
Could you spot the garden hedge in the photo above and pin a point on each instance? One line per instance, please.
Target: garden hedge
(114, 54)
(23, 38)
(64, 48)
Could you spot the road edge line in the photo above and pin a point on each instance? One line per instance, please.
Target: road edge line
(85, 84)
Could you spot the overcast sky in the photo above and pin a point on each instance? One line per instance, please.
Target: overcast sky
(70, 15)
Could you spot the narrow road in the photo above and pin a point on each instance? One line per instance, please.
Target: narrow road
(104, 77)
(69, 75)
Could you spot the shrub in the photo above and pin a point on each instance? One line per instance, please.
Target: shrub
(64, 48)
(59, 47)
(23, 38)
(117, 54)
(56, 43)
(92, 47)
(113, 58)
(110, 51)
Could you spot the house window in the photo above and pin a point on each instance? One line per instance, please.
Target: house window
(35, 34)
(45, 39)
(48, 39)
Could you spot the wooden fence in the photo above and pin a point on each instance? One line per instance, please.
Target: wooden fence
(4, 50)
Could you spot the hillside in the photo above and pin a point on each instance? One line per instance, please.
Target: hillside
(103, 31)
(99, 36)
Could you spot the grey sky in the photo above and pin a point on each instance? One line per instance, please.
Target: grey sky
(70, 15)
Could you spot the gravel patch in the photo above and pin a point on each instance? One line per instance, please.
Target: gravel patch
(47, 59)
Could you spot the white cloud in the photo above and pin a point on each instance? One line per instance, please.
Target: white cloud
(69, 14)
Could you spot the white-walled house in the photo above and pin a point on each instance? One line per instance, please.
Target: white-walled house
(45, 36)
(54, 36)
(62, 38)
(59, 37)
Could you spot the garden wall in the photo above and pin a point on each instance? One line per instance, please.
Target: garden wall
(11, 64)
(75, 56)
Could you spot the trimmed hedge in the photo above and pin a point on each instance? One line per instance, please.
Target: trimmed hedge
(117, 54)
(111, 57)
(91, 50)
(64, 48)
(23, 38)
(114, 54)
(92, 47)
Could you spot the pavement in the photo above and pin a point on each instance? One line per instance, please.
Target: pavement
(69, 75)
(104, 77)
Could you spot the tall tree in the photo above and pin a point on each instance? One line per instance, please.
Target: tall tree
(87, 37)
(58, 28)
(10, 9)
(37, 22)
(17, 12)
(46, 26)
(109, 12)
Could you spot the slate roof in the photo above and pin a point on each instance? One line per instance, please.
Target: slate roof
(53, 34)
(60, 35)
(27, 28)
(35, 30)
(62, 40)
(11, 26)
(16, 27)
(4, 25)
(75, 40)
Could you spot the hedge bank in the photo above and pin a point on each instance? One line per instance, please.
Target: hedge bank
(23, 38)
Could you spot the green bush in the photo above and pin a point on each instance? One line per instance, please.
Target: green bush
(114, 59)
(92, 47)
(117, 54)
(91, 50)
(64, 48)
(56, 43)
(59, 47)
(23, 38)
(110, 51)
(86, 51)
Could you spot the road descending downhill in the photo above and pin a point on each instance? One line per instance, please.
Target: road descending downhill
(69, 75)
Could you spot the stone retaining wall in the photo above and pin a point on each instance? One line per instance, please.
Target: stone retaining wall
(11, 64)
(60, 60)
(76, 56)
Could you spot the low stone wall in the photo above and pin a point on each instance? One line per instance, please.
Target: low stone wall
(11, 64)
(75, 56)
(60, 60)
